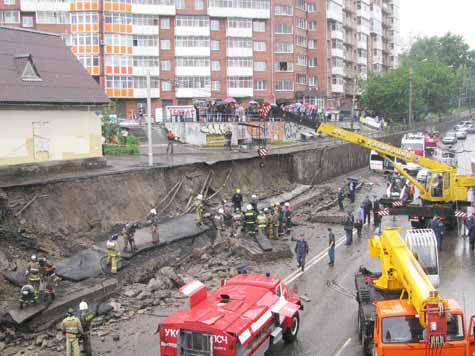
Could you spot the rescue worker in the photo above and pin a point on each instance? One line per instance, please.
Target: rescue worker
(269, 223)
(199, 206)
(341, 198)
(128, 233)
(438, 227)
(288, 215)
(471, 231)
(237, 223)
(282, 225)
(352, 190)
(218, 221)
(237, 200)
(33, 274)
(376, 216)
(358, 225)
(367, 208)
(72, 329)
(275, 218)
(261, 224)
(250, 218)
(254, 203)
(154, 219)
(348, 227)
(86, 317)
(331, 247)
(113, 253)
(301, 250)
(171, 141)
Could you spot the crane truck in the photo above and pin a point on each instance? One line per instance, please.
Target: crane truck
(247, 315)
(401, 313)
(442, 194)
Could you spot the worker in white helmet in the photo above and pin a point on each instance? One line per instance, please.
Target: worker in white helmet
(86, 317)
(254, 202)
(200, 209)
(218, 221)
(154, 219)
(33, 274)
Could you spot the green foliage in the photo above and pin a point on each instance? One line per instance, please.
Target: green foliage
(121, 150)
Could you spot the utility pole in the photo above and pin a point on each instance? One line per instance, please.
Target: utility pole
(149, 123)
(353, 102)
(410, 118)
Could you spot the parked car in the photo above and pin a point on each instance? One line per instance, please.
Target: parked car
(446, 156)
(450, 138)
(470, 128)
(461, 134)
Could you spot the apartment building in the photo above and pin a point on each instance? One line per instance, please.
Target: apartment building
(275, 50)
(363, 38)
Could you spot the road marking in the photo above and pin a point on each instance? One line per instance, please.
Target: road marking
(340, 350)
(297, 273)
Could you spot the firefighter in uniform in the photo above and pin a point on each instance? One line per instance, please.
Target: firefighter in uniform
(275, 217)
(281, 217)
(269, 223)
(199, 209)
(128, 233)
(288, 216)
(33, 273)
(261, 224)
(254, 203)
(72, 329)
(113, 253)
(237, 200)
(250, 218)
(86, 317)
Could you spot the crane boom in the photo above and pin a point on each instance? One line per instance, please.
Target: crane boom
(401, 271)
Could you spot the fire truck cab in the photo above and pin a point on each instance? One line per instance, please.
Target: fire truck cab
(245, 316)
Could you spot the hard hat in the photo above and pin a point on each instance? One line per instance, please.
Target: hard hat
(200, 196)
(266, 210)
(33, 257)
(153, 211)
(221, 210)
(249, 207)
(238, 190)
(114, 236)
(254, 196)
(70, 311)
(83, 305)
(287, 204)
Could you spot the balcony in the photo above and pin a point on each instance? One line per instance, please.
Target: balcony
(241, 92)
(338, 88)
(337, 52)
(239, 71)
(35, 5)
(144, 30)
(363, 44)
(239, 52)
(149, 9)
(193, 92)
(192, 51)
(145, 51)
(362, 60)
(215, 11)
(334, 12)
(377, 59)
(239, 32)
(142, 93)
(142, 71)
(192, 31)
(338, 71)
(193, 71)
(339, 35)
(363, 28)
(364, 13)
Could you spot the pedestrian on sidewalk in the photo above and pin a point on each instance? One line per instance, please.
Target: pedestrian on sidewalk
(341, 198)
(154, 219)
(471, 231)
(331, 247)
(301, 250)
(367, 209)
(348, 225)
(171, 137)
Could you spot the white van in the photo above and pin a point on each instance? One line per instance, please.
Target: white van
(379, 164)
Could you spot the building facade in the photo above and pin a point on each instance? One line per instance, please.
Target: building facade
(274, 50)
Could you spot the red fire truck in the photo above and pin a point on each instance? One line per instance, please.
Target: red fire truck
(245, 316)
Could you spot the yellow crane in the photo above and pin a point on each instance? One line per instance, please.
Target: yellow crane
(443, 183)
(400, 312)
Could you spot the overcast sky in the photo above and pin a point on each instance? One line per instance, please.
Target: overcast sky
(437, 17)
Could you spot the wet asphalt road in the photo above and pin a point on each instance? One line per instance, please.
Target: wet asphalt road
(328, 325)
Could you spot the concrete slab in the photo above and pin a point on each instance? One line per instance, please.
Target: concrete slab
(16, 278)
(264, 243)
(19, 316)
(83, 265)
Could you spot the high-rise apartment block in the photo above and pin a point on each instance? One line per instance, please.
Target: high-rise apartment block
(275, 50)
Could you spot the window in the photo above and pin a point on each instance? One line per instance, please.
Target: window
(239, 23)
(215, 45)
(301, 60)
(283, 47)
(27, 21)
(165, 44)
(402, 329)
(284, 85)
(260, 84)
(144, 20)
(145, 41)
(180, 4)
(214, 25)
(191, 21)
(240, 82)
(117, 60)
(284, 67)
(240, 62)
(241, 4)
(259, 46)
(312, 81)
(192, 62)
(337, 62)
(312, 26)
(9, 17)
(145, 61)
(311, 7)
(259, 26)
(9, 2)
(216, 85)
(141, 83)
(93, 18)
(312, 44)
(165, 23)
(191, 41)
(338, 44)
(193, 82)
(118, 82)
(283, 10)
(166, 65)
(199, 4)
(90, 38)
(89, 61)
(260, 66)
(302, 79)
(300, 4)
(215, 66)
(166, 85)
(237, 42)
(301, 41)
(52, 17)
(300, 22)
(283, 28)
